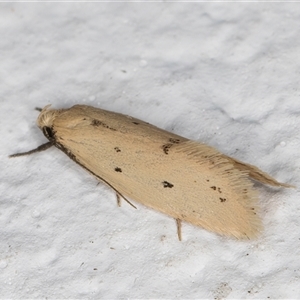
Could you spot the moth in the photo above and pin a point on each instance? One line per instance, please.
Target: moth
(187, 180)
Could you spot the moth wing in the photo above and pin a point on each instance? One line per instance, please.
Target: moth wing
(188, 181)
(223, 199)
(257, 174)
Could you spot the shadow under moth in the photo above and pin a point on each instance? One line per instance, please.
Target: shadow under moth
(184, 179)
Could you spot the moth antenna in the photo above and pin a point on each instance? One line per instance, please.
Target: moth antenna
(38, 149)
(178, 224)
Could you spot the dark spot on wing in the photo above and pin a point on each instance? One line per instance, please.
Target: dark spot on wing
(118, 169)
(216, 189)
(98, 123)
(136, 123)
(166, 147)
(222, 199)
(174, 141)
(167, 184)
(117, 149)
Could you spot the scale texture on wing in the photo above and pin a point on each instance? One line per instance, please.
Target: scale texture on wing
(181, 178)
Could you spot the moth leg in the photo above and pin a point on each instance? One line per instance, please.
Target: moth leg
(118, 199)
(178, 224)
(38, 149)
(119, 196)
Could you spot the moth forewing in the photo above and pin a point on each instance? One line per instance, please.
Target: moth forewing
(186, 180)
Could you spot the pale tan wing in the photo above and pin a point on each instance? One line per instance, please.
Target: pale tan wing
(229, 202)
(184, 179)
(256, 173)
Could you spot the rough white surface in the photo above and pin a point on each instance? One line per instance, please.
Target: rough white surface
(223, 73)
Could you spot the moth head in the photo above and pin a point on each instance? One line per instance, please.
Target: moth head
(45, 121)
(47, 116)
